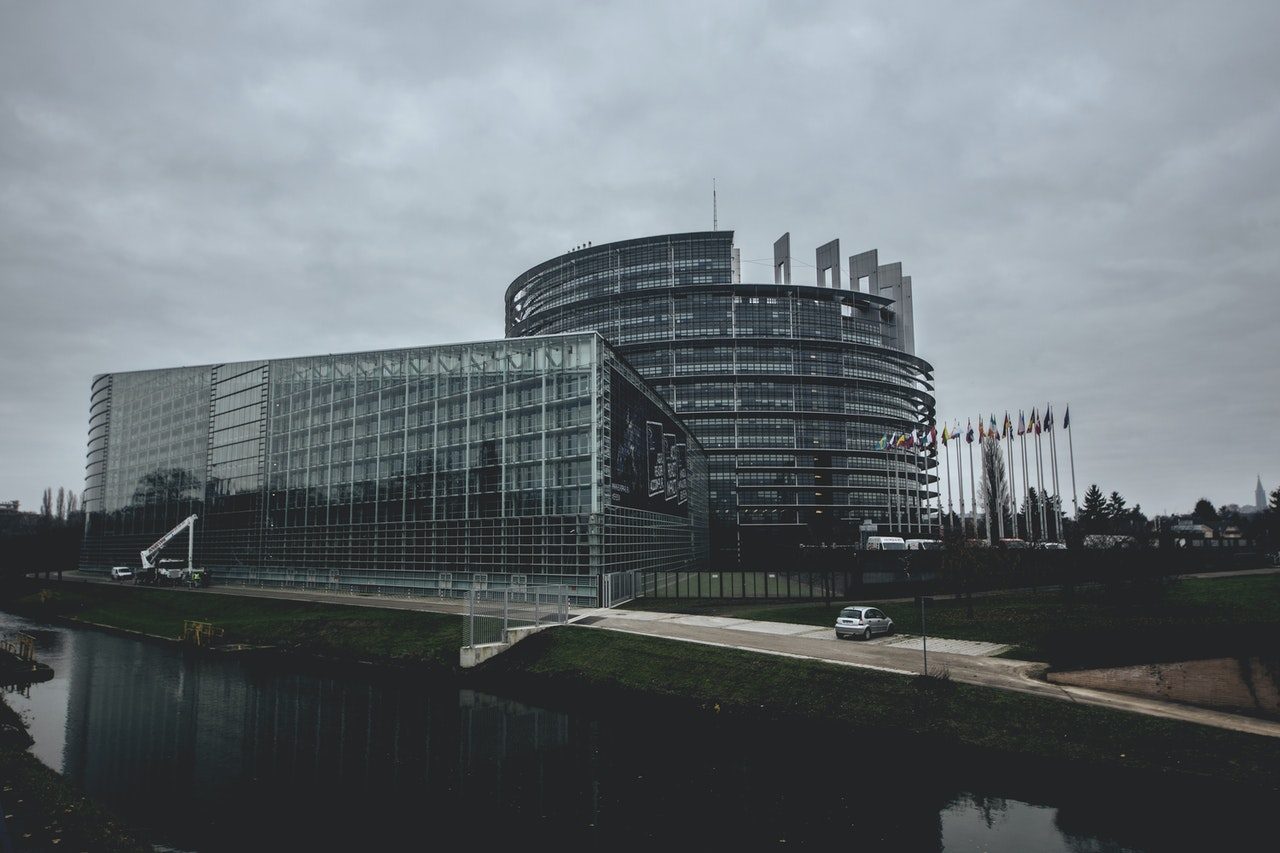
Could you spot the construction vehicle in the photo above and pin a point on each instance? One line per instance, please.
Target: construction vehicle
(155, 571)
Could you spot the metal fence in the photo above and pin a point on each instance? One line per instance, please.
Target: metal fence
(492, 613)
(619, 587)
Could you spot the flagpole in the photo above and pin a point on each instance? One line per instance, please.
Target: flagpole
(922, 460)
(946, 449)
(973, 488)
(1026, 483)
(986, 484)
(1057, 495)
(1044, 524)
(900, 493)
(937, 482)
(995, 493)
(893, 480)
(960, 482)
(1013, 478)
(1071, 451)
(888, 500)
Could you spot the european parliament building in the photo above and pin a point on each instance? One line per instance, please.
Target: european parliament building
(787, 384)
(434, 470)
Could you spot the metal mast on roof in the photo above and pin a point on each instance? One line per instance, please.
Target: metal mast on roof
(715, 213)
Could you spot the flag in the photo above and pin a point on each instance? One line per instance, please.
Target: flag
(1007, 431)
(1048, 417)
(911, 439)
(1035, 422)
(902, 440)
(933, 435)
(1022, 423)
(981, 431)
(882, 443)
(893, 442)
(991, 430)
(946, 435)
(1066, 418)
(968, 436)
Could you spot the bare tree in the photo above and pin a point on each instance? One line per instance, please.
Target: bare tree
(46, 502)
(61, 511)
(994, 492)
(73, 502)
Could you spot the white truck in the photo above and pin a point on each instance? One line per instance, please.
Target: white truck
(153, 569)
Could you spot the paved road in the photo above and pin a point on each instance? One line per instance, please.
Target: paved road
(968, 665)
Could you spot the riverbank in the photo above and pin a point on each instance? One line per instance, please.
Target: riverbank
(592, 664)
(42, 810)
(578, 664)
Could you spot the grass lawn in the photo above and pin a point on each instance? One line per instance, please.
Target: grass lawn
(1212, 615)
(569, 661)
(354, 633)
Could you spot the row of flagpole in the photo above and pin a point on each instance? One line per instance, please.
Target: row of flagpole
(901, 484)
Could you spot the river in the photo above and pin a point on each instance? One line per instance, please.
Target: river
(207, 753)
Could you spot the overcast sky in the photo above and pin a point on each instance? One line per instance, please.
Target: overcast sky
(1085, 194)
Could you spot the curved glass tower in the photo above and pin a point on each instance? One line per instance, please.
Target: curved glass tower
(788, 386)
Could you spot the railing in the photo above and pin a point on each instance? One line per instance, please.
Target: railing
(491, 614)
(200, 633)
(21, 646)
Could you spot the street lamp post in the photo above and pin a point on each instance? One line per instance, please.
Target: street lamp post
(924, 634)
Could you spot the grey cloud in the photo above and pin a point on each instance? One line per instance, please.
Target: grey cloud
(1084, 195)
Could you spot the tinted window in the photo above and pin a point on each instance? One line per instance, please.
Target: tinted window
(851, 614)
(875, 614)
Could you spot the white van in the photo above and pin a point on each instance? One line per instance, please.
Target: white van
(924, 545)
(886, 543)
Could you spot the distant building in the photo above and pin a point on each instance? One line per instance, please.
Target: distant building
(1260, 495)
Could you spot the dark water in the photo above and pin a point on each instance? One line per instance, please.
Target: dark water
(213, 754)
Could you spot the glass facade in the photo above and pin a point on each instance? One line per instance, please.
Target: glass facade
(420, 471)
(787, 386)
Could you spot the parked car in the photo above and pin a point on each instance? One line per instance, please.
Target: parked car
(862, 622)
(1051, 546)
(121, 573)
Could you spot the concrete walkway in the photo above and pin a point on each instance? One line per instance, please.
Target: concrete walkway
(967, 662)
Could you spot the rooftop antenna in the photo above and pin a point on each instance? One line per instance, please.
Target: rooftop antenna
(715, 212)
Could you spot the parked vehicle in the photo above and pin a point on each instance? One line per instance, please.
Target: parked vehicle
(121, 573)
(1015, 543)
(1052, 546)
(862, 622)
(924, 545)
(886, 543)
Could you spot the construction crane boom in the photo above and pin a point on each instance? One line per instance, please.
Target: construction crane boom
(186, 524)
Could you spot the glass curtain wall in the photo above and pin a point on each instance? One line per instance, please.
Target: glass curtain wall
(787, 386)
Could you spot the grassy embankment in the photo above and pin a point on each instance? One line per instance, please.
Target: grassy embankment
(572, 663)
(1192, 618)
(42, 810)
(392, 637)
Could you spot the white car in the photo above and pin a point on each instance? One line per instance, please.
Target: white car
(121, 573)
(862, 622)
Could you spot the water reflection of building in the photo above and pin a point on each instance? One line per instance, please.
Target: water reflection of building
(431, 470)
